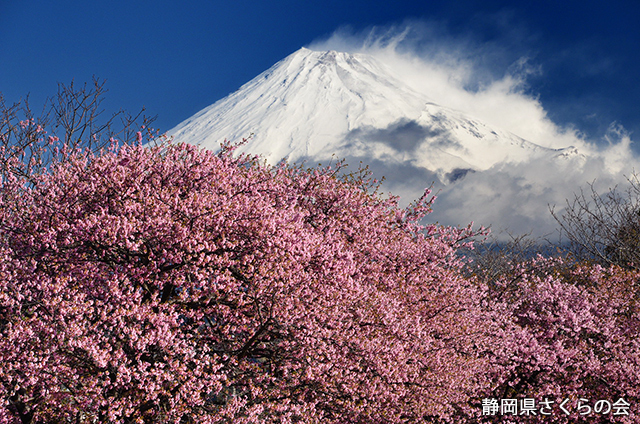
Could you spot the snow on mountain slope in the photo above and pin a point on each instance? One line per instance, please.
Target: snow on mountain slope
(303, 104)
(316, 104)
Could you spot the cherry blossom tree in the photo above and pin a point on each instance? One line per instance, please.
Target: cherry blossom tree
(170, 284)
(569, 335)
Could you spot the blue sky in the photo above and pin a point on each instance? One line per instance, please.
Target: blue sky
(176, 58)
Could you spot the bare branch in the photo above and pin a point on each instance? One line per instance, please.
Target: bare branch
(604, 228)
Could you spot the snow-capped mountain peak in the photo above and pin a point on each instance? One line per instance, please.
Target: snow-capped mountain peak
(314, 104)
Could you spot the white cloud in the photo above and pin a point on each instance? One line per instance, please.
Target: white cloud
(454, 73)
(461, 74)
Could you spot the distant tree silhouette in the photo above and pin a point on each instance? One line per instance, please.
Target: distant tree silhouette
(604, 228)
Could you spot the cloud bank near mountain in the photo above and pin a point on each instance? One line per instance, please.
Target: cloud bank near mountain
(488, 82)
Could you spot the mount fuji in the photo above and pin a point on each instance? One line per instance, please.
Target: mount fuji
(315, 105)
